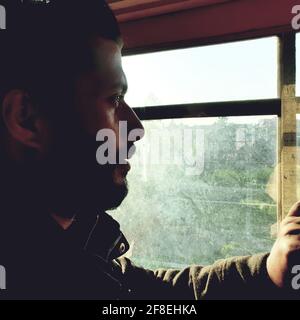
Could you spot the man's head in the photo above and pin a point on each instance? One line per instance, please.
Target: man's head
(61, 82)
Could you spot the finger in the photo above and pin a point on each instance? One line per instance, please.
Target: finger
(291, 229)
(293, 244)
(289, 220)
(295, 210)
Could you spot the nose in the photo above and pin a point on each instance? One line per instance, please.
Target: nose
(134, 122)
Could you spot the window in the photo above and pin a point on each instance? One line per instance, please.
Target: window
(217, 201)
(180, 211)
(235, 71)
(204, 181)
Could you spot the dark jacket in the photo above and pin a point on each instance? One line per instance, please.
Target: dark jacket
(85, 262)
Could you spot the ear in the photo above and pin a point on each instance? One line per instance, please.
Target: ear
(21, 120)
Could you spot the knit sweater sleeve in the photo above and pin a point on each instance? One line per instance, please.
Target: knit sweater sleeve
(234, 278)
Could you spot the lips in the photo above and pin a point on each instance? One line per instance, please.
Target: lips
(124, 167)
(127, 165)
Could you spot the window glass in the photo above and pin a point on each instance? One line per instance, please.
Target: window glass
(236, 71)
(200, 190)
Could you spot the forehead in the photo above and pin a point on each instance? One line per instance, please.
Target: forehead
(106, 73)
(107, 59)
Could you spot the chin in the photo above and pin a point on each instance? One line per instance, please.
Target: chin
(117, 191)
(112, 192)
(116, 197)
(101, 188)
(103, 198)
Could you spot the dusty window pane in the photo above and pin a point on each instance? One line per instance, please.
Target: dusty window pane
(205, 190)
(236, 71)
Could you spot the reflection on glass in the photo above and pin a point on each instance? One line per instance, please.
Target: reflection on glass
(200, 190)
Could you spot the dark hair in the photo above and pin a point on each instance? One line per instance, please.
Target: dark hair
(44, 45)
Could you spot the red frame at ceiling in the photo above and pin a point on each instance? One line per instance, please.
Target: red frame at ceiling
(209, 24)
(128, 10)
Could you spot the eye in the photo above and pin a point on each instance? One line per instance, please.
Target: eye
(117, 100)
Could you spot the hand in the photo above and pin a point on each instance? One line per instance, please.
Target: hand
(286, 250)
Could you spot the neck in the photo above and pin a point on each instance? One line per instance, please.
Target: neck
(65, 223)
